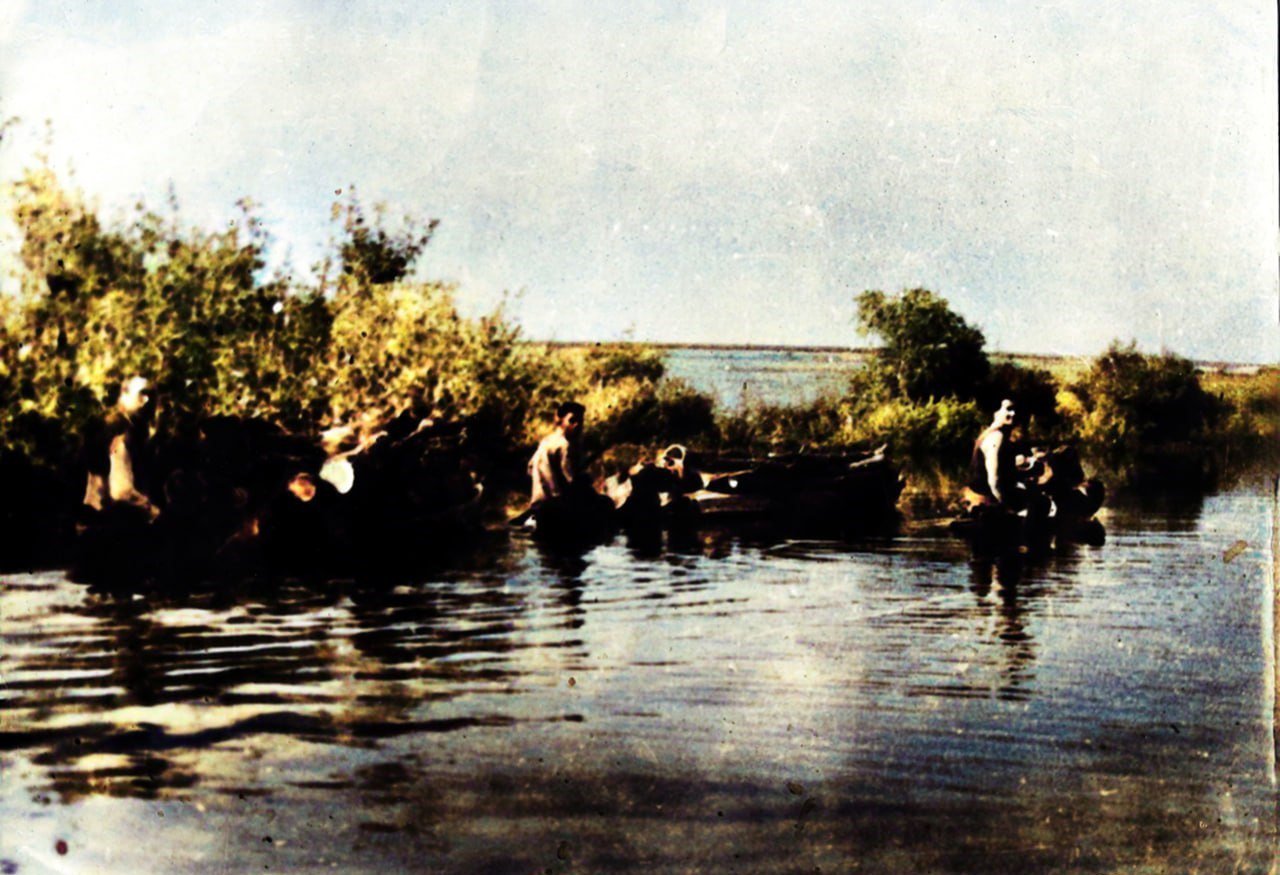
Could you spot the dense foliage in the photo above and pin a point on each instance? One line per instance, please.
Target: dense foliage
(931, 387)
(217, 333)
(929, 351)
(922, 389)
(1146, 414)
(1129, 400)
(203, 317)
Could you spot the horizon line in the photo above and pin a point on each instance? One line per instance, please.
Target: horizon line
(864, 350)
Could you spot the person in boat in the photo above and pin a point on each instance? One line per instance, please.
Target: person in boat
(642, 492)
(555, 471)
(679, 462)
(562, 498)
(994, 476)
(114, 455)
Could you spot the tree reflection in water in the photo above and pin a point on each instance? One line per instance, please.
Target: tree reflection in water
(722, 701)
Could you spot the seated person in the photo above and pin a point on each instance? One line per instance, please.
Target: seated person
(677, 459)
(994, 478)
(562, 497)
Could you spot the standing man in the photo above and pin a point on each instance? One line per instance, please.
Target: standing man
(555, 470)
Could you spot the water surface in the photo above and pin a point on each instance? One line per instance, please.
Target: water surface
(726, 705)
(736, 378)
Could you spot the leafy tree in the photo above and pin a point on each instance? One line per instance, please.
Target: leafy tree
(200, 315)
(929, 350)
(1036, 393)
(189, 309)
(1131, 405)
(372, 255)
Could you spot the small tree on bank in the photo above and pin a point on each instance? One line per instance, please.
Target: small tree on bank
(929, 350)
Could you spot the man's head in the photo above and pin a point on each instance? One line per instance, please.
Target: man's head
(569, 417)
(673, 459)
(134, 395)
(1006, 416)
(303, 486)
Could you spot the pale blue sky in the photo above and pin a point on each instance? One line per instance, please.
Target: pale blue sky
(1063, 173)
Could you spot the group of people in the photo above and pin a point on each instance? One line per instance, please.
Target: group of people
(236, 492)
(1008, 477)
(562, 496)
(117, 449)
(1003, 475)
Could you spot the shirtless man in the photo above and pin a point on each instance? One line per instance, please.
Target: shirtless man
(993, 469)
(555, 471)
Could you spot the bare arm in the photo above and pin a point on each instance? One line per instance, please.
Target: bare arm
(991, 455)
(568, 464)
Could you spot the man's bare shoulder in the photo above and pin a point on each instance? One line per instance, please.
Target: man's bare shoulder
(555, 441)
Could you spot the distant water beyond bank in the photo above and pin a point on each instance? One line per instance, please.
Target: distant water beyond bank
(738, 375)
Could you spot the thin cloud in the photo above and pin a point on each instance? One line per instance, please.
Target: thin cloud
(722, 172)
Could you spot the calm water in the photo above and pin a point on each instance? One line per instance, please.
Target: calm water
(789, 706)
(763, 376)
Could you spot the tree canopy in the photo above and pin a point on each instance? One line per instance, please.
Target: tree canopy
(201, 315)
(929, 350)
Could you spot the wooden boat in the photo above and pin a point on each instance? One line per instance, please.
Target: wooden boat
(261, 510)
(799, 492)
(1058, 508)
(805, 492)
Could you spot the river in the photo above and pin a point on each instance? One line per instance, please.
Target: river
(736, 378)
(728, 705)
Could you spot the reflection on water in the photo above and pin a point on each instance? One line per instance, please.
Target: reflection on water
(721, 703)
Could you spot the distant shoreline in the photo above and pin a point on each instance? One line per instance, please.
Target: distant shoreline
(710, 347)
(863, 351)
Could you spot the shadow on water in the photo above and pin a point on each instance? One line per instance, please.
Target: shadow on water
(1008, 592)
(1169, 510)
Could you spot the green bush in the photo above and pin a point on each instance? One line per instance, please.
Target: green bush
(928, 435)
(1250, 427)
(1130, 403)
(191, 310)
(199, 315)
(649, 413)
(767, 428)
(925, 391)
(628, 399)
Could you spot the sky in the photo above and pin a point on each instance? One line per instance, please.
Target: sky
(1063, 173)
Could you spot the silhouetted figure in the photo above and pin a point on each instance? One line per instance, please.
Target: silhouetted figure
(114, 456)
(115, 543)
(993, 470)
